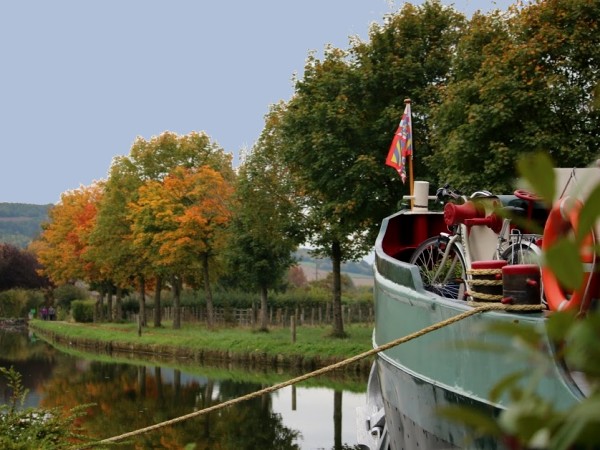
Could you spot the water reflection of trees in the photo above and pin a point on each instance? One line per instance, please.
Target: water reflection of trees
(27, 356)
(128, 398)
(133, 396)
(21, 346)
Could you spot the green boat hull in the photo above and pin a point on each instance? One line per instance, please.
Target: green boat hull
(411, 381)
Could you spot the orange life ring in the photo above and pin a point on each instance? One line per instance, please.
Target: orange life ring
(563, 218)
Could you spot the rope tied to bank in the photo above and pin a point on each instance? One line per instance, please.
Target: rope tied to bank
(324, 370)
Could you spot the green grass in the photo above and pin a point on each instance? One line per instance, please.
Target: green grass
(310, 341)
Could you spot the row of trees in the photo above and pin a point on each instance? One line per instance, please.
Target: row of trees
(484, 91)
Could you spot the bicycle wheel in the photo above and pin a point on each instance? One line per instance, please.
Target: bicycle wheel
(522, 253)
(442, 267)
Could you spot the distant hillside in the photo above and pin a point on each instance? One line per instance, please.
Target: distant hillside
(20, 223)
(361, 272)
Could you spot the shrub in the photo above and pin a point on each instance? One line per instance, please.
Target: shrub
(35, 300)
(131, 305)
(83, 310)
(65, 294)
(46, 429)
(18, 302)
(311, 296)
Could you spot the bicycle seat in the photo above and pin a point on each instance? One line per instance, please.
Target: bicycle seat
(477, 194)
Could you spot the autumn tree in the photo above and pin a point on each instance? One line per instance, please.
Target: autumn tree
(148, 160)
(156, 158)
(266, 225)
(524, 81)
(65, 239)
(179, 225)
(297, 277)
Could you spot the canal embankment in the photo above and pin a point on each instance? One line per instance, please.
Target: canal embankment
(13, 324)
(313, 347)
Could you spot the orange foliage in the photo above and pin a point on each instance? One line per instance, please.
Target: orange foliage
(297, 277)
(182, 216)
(64, 241)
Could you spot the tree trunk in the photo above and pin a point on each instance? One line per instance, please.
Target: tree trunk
(100, 306)
(109, 305)
(263, 309)
(336, 261)
(176, 302)
(157, 305)
(119, 305)
(143, 301)
(210, 317)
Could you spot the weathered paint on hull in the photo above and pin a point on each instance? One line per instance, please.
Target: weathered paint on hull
(438, 369)
(407, 398)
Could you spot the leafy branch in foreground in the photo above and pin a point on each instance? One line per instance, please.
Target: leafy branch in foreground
(531, 421)
(40, 428)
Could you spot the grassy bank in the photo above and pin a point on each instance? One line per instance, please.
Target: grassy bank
(338, 380)
(313, 347)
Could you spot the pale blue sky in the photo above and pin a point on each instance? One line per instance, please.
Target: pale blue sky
(79, 80)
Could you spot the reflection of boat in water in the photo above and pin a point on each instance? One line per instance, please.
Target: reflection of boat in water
(409, 382)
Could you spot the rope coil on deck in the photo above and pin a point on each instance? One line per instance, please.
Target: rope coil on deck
(484, 271)
(485, 297)
(488, 288)
(478, 309)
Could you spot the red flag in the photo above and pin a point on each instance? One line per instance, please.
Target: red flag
(401, 144)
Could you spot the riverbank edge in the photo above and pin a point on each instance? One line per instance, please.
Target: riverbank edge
(296, 362)
(13, 324)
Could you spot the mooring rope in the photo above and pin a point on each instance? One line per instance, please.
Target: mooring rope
(324, 370)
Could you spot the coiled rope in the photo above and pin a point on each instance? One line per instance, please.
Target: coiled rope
(324, 370)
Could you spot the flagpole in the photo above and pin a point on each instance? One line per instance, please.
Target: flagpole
(410, 167)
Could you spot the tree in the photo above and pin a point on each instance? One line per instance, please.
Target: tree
(149, 160)
(320, 129)
(65, 239)
(524, 82)
(179, 225)
(409, 56)
(297, 277)
(112, 249)
(339, 124)
(265, 228)
(19, 269)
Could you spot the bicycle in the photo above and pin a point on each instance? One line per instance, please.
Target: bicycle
(444, 261)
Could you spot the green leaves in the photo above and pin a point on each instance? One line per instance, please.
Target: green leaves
(565, 262)
(589, 213)
(530, 419)
(522, 82)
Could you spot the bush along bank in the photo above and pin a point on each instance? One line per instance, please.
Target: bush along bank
(312, 349)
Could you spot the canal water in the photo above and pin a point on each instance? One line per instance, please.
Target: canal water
(128, 394)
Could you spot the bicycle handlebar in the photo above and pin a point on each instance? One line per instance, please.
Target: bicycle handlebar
(447, 192)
